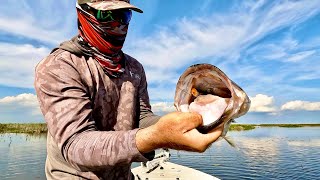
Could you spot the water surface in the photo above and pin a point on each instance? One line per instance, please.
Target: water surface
(262, 153)
(22, 156)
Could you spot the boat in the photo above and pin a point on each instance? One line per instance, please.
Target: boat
(160, 168)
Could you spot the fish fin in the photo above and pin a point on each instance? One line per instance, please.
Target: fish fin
(230, 142)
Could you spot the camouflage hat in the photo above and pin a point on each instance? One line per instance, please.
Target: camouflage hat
(110, 4)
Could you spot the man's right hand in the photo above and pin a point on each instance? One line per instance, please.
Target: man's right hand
(178, 131)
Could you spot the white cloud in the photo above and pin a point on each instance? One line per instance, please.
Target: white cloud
(301, 105)
(29, 30)
(23, 108)
(17, 63)
(300, 56)
(262, 103)
(39, 20)
(21, 99)
(163, 107)
(284, 50)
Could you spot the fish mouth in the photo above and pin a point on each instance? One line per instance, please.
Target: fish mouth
(204, 81)
(210, 106)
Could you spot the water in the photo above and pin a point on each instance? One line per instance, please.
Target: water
(22, 156)
(263, 153)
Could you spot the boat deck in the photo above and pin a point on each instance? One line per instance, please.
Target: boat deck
(168, 170)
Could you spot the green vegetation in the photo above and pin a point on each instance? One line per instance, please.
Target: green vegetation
(23, 128)
(288, 125)
(40, 128)
(283, 125)
(241, 127)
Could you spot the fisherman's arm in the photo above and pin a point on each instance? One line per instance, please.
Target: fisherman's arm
(66, 105)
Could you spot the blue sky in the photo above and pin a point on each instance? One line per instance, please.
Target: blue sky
(270, 48)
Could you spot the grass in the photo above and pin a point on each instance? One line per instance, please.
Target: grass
(241, 127)
(39, 128)
(283, 125)
(36, 128)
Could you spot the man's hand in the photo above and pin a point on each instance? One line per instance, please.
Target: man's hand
(178, 131)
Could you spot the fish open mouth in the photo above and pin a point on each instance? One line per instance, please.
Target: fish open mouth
(205, 89)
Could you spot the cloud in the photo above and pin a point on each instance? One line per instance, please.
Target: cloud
(17, 64)
(162, 107)
(301, 105)
(38, 20)
(23, 108)
(262, 103)
(301, 56)
(27, 101)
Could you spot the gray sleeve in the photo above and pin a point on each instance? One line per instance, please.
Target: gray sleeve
(146, 117)
(67, 108)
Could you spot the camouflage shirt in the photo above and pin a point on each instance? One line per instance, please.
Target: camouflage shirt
(92, 119)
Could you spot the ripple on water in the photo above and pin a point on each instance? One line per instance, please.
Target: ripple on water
(25, 156)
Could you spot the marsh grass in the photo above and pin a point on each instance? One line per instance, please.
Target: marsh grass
(286, 125)
(35, 128)
(241, 127)
(244, 127)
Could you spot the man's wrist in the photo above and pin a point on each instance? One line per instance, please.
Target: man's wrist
(146, 140)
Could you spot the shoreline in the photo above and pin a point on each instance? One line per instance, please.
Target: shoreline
(245, 127)
(41, 128)
(27, 128)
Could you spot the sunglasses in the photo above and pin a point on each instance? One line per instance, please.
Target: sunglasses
(120, 15)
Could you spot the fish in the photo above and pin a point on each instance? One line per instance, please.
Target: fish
(207, 90)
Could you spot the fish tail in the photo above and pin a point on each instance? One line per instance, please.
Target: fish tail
(230, 142)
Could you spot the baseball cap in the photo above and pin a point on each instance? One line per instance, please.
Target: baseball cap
(110, 4)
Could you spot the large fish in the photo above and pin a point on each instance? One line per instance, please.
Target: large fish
(205, 89)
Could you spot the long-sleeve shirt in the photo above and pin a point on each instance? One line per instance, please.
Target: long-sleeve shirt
(92, 118)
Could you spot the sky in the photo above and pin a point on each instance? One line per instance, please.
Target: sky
(269, 48)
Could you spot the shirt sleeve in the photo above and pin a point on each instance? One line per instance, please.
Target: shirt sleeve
(67, 108)
(147, 117)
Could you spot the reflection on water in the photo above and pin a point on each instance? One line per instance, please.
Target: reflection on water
(263, 153)
(23, 156)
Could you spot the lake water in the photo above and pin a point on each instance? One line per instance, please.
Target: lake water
(262, 153)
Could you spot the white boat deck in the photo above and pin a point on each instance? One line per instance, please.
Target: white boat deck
(168, 170)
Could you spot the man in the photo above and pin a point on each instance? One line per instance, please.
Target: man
(94, 97)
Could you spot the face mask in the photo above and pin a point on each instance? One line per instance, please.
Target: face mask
(104, 38)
